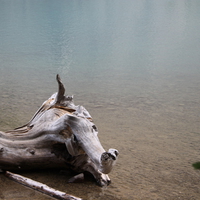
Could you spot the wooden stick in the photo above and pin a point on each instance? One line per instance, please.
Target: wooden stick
(40, 187)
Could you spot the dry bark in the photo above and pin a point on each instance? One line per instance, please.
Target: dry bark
(60, 134)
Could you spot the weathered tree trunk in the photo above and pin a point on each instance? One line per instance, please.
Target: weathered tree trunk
(60, 134)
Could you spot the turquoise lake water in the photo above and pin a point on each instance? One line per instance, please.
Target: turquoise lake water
(134, 65)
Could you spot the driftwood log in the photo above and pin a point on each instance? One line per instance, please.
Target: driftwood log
(59, 135)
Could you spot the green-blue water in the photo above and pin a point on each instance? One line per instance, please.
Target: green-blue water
(135, 65)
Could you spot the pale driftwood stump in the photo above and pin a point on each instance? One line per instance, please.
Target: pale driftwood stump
(60, 134)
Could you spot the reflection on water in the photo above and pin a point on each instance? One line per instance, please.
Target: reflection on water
(134, 65)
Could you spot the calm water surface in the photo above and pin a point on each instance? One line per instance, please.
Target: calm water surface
(135, 65)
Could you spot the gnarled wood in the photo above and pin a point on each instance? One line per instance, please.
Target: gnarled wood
(60, 134)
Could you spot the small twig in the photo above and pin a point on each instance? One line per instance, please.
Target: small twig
(40, 187)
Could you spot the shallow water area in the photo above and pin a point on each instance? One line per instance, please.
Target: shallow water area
(133, 65)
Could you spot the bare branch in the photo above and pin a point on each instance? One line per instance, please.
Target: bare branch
(40, 187)
(61, 90)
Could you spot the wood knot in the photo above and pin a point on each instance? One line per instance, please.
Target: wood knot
(31, 151)
(1, 150)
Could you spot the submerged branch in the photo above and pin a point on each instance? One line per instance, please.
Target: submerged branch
(40, 187)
